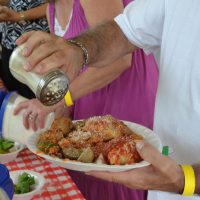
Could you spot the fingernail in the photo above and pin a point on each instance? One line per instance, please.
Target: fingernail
(25, 51)
(139, 144)
(18, 41)
(27, 66)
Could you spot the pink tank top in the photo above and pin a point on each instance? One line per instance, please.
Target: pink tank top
(131, 96)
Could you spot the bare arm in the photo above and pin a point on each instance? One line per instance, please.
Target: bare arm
(7, 14)
(95, 78)
(36, 13)
(105, 44)
(4, 2)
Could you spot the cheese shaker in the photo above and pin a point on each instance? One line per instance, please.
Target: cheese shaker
(49, 88)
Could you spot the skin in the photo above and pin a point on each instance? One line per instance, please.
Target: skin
(93, 78)
(103, 50)
(165, 177)
(4, 2)
(7, 14)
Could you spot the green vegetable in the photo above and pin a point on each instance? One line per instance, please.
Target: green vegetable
(24, 183)
(5, 145)
(45, 145)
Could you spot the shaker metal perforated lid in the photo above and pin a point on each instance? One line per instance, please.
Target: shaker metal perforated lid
(52, 87)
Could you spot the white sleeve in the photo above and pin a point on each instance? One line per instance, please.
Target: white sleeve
(142, 23)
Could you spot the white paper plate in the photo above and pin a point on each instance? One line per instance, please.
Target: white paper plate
(148, 135)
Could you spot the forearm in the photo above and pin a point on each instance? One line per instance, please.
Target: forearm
(31, 14)
(96, 78)
(4, 2)
(35, 13)
(101, 44)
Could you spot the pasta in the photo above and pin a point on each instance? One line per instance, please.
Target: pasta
(97, 139)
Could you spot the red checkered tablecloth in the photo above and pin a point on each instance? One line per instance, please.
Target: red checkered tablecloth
(59, 185)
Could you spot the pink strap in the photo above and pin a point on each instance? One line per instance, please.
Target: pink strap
(52, 15)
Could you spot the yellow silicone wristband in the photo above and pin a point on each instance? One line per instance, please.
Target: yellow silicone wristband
(68, 99)
(189, 187)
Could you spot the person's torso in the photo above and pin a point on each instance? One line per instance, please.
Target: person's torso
(11, 31)
(177, 111)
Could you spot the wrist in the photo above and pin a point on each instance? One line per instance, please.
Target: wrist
(197, 176)
(15, 17)
(85, 55)
(21, 16)
(179, 181)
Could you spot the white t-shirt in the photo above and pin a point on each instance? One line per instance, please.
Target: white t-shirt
(173, 28)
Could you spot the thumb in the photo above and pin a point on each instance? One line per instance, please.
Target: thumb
(150, 154)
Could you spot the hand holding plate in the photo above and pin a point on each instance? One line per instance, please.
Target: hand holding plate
(163, 174)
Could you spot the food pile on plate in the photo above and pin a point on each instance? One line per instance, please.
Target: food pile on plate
(94, 140)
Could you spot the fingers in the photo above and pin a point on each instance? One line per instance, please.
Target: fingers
(153, 156)
(41, 120)
(39, 57)
(34, 114)
(19, 107)
(26, 118)
(32, 121)
(32, 40)
(24, 38)
(46, 61)
(43, 51)
(30, 113)
(135, 178)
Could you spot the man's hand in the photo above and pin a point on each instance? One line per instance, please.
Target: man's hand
(45, 51)
(7, 14)
(163, 174)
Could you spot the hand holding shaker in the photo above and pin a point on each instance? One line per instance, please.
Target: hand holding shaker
(49, 88)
